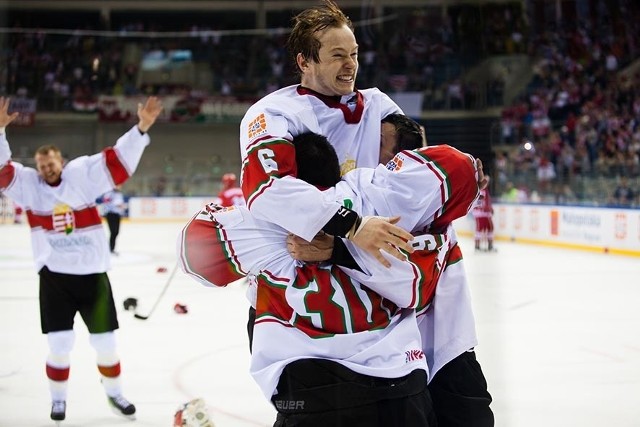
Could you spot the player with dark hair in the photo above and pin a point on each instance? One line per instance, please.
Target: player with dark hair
(70, 247)
(398, 133)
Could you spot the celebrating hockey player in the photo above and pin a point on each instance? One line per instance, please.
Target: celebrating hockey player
(70, 246)
(323, 46)
(220, 245)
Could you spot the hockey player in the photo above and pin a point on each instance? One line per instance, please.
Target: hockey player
(70, 247)
(326, 102)
(325, 51)
(114, 209)
(243, 244)
(231, 194)
(483, 214)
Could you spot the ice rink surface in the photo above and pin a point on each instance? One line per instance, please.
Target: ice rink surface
(559, 335)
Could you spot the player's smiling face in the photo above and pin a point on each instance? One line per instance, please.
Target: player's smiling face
(49, 166)
(335, 74)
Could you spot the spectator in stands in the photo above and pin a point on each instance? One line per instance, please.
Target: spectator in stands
(623, 195)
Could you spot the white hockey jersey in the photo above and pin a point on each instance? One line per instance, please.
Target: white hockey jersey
(352, 126)
(314, 310)
(67, 234)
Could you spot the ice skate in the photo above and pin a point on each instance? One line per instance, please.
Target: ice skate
(122, 406)
(58, 411)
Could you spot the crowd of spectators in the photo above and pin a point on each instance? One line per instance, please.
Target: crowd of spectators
(579, 120)
(578, 117)
(413, 49)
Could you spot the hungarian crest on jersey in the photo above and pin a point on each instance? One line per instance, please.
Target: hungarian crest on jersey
(63, 219)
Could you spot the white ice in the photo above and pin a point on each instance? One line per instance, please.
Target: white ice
(559, 335)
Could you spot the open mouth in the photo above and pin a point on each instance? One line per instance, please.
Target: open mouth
(345, 79)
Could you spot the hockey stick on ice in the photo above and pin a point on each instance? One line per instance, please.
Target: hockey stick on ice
(166, 285)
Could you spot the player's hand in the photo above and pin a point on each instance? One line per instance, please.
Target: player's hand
(319, 249)
(377, 233)
(5, 117)
(482, 180)
(148, 113)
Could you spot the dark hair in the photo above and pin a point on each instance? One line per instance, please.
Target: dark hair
(408, 131)
(307, 23)
(317, 160)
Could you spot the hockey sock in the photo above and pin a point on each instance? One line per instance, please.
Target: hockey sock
(108, 362)
(58, 364)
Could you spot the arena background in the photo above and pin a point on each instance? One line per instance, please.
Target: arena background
(465, 70)
(527, 86)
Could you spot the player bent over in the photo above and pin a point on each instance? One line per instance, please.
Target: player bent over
(70, 247)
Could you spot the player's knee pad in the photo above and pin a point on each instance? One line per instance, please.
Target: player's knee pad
(61, 342)
(105, 346)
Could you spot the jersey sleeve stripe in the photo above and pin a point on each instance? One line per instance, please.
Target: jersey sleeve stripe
(7, 175)
(117, 169)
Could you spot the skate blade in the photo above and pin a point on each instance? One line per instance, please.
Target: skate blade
(131, 417)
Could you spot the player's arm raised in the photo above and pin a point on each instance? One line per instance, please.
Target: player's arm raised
(5, 117)
(148, 113)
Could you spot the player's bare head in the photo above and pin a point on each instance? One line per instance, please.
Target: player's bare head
(325, 51)
(307, 24)
(317, 160)
(49, 163)
(409, 132)
(398, 132)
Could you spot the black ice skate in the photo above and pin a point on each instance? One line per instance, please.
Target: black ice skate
(122, 406)
(58, 410)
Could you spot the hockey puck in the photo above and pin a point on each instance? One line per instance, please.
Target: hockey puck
(180, 308)
(161, 270)
(130, 304)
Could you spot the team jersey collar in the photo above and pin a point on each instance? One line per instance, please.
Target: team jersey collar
(341, 102)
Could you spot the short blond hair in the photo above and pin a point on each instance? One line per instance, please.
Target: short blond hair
(46, 149)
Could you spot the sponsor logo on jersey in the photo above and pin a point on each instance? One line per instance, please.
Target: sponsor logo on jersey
(395, 164)
(63, 219)
(413, 355)
(61, 243)
(258, 126)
